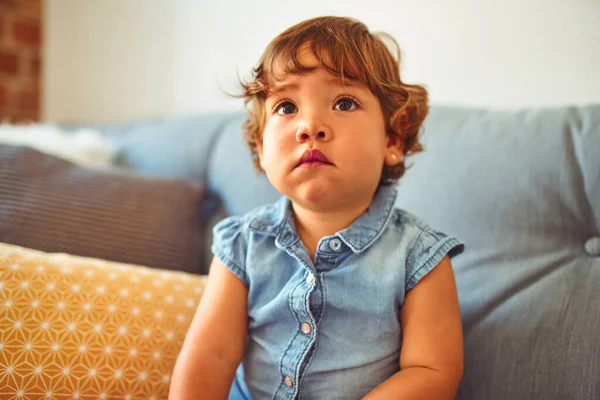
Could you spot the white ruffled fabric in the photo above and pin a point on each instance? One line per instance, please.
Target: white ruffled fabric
(85, 147)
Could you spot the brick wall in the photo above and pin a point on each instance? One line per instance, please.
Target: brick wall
(20, 52)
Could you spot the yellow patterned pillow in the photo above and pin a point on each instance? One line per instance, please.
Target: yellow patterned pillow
(81, 328)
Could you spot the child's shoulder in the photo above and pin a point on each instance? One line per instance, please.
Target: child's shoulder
(232, 236)
(421, 237)
(402, 219)
(262, 218)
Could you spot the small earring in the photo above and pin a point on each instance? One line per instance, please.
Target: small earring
(394, 157)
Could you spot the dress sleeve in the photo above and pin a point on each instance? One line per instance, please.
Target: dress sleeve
(230, 245)
(428, 250)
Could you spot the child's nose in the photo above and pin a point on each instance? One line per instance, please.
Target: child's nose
(313, 131)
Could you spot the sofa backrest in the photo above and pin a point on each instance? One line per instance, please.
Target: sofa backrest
(522, 189)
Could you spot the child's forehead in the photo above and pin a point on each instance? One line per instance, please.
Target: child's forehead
(292, 62)
(282, 77)
(307, 57)
(295, 81)
(288, 64)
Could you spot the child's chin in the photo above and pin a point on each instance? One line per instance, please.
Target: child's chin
(313, 193)
(316, 193)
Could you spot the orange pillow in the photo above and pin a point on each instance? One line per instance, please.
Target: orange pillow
(83, 328)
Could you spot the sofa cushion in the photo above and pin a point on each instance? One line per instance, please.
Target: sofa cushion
(75, 327)
(232, 175)
(52, 205)
(522, 189)
(169, 147)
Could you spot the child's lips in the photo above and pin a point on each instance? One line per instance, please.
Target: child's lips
(313, 159)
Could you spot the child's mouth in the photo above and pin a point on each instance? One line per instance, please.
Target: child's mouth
(313, 159)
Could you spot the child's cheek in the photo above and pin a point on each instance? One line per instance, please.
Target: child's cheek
(278, 131)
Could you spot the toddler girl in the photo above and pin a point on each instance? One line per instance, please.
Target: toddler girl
(332, 292)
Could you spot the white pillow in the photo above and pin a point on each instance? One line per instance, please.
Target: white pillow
(85, 147)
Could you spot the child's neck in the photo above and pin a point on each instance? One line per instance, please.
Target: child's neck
(314, 225)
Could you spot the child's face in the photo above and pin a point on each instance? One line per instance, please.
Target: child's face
(345, 123)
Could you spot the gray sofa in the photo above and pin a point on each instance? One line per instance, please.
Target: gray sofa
(520, 187)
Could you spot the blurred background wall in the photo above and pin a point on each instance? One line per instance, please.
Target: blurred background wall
(120, 59)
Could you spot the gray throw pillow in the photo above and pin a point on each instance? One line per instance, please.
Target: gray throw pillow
(50, 204)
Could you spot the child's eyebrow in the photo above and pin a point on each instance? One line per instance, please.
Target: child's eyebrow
(338, 81)
(346, 82)
(281, 87)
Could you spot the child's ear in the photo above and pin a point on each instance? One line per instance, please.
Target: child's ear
(394, 150)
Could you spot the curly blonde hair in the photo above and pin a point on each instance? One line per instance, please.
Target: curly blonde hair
(345, 48)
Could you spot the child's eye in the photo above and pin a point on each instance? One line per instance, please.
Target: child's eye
(345, 104)
(285, 108)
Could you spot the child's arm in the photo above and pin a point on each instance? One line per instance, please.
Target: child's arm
(215, 342)
(431, 359)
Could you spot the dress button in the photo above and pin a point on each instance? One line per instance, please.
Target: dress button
(306, 328)
(288, 381)
(592, 246)
(335, 244)
(310, 278)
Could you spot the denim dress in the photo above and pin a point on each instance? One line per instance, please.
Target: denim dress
(328, 328)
